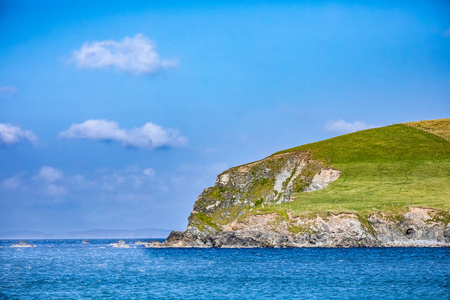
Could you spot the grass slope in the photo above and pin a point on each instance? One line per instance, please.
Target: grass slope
(387, 169)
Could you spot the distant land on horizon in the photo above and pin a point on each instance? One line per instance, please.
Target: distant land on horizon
(151, 233)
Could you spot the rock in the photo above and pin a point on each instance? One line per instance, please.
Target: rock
(154, 244)
(322, 179)
(22, 244)
(336, 230)
(149, 244)
(268, 181)
(120, 244)
(416, 227)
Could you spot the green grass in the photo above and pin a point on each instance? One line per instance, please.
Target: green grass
(385, 186)
(385, 144)
(385, 169)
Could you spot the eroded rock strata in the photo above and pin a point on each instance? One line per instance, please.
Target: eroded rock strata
(219, 217)
(419, 227)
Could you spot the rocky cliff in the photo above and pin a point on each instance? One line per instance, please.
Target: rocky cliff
(386, 186)
(236, 212)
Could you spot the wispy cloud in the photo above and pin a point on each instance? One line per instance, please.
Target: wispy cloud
(149, 136)
(49, 181)
(10, 183)
(52, 185)
(342, 127)
(148, 172)
(135, 55)
(132, 178)
(54, 190)
(8, 90)
(11, 134)
(49, 174)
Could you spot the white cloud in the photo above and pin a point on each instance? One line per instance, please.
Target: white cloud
(10, 183)
(148, 172)
(8, 90)
(342, 127)
(49, 174)
(135, 55)
(11, 134)
(95, 130)
(148, 136)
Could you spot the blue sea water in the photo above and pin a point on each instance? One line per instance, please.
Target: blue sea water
(67, 269)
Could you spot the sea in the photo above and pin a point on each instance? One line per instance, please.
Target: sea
(68, 269)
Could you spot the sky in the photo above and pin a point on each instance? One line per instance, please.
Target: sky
(117, 114)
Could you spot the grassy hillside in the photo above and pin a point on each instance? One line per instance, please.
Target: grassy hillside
(385, 144)
(388, 169)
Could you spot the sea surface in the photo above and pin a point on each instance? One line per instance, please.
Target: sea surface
(67, 269)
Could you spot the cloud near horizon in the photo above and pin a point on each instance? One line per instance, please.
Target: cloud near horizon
(149, 136)
(134, 55)
(52, 184)
(11, 134)
(343, 127)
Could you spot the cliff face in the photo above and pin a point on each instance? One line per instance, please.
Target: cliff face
(270, 181)
(418, 227)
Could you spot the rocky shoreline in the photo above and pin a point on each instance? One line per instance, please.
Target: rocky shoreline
(419, 227)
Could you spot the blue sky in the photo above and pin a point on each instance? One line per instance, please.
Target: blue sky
(117, 115)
